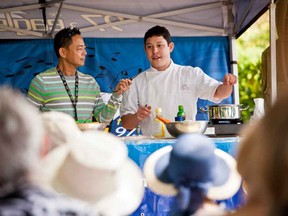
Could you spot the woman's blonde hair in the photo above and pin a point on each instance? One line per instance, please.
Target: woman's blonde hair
(21, 136)
(263, 158)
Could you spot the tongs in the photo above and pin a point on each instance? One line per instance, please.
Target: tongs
(131, 78)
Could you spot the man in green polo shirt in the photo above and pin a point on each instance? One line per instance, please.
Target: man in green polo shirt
(63, 88)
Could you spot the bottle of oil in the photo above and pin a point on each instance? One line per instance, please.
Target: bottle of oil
(181, 115)
(159, 127)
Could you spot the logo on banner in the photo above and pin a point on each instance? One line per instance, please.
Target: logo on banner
(116, 124)
(117, 129)
(17, 20)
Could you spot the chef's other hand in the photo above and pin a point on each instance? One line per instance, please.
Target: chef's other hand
(122, 86)
(143, 112)
(229, 79)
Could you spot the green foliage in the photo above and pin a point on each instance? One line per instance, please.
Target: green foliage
(250, 86)
(249, 50)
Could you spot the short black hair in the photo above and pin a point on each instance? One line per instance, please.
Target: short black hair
(158, 31)
(63, 38)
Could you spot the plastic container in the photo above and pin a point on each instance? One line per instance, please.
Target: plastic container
(258, 111)
(181, 115)
(159, 127)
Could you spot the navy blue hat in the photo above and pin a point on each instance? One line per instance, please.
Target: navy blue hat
(193, 160)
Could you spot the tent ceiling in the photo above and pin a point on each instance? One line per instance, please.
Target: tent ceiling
(126, 18)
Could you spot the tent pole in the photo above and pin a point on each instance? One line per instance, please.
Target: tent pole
(234, 68)
(273, 68)
(233, 53)
(56, 20)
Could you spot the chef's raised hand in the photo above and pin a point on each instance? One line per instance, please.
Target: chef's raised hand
(122, 86)
(229, 79)
(225, 89)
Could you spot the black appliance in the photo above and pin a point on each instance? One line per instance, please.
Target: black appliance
(224, 127)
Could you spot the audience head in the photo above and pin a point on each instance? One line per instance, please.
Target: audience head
(21, 136)
(193, 170)
(263, 158)
(95, 168)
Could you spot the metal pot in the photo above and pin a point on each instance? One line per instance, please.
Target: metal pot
(224, 111)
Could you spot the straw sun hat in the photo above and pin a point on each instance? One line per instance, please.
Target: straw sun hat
(96, 169)
(60, 127)
(193, 160)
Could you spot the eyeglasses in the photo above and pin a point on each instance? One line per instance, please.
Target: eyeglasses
(67, 35)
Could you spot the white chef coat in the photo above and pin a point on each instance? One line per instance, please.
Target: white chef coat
(177, 85)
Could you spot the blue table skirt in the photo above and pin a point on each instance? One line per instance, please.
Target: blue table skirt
(154, 204)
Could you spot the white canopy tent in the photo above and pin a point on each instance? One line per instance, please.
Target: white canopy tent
(128, 19)
(30, 19)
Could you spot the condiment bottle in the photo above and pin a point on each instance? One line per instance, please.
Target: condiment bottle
(181, 115)
(159, 127)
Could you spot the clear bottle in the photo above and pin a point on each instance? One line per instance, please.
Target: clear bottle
(181, 115)
(159, 127)
(258, 111)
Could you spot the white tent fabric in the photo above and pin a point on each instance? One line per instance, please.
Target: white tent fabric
(125, 18)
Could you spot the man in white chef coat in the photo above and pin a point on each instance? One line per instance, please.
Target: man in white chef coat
(167, 85)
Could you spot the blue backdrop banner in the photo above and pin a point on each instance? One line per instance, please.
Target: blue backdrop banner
(110, 59)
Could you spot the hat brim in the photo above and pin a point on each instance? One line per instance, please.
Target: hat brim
(231, 185)
(153, 182)
(220, 192)
(125, 199)
(129, 194)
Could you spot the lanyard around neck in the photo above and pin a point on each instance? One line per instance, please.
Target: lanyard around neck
(75, 100)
